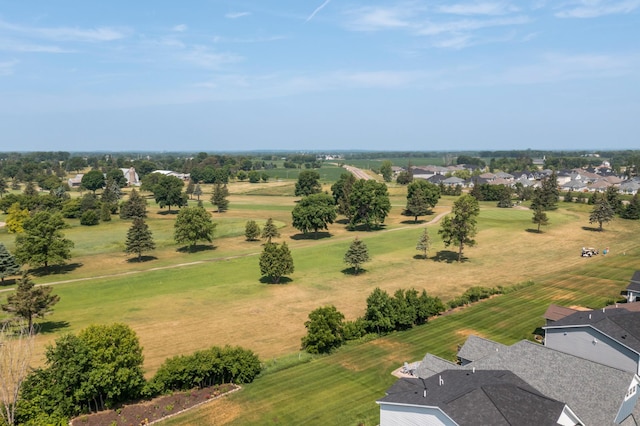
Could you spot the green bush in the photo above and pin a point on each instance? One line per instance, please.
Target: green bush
(89, 218)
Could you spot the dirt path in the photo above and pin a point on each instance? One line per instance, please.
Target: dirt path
(214, 259)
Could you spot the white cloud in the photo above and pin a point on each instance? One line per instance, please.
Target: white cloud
(466, 25)
(6, 68)
(205, 58)
(478, 8)
(379, 18)
(26, 47)
(236, 15)
(66, 33)
(317, 9)
(180, 28)
(596, 8)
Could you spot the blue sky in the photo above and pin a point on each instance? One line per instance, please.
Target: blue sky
(319, 75)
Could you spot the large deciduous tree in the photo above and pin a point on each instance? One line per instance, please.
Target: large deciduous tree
(386, 170)
(8, 264)
(93, 180)
(602, 212)
(369, 203)
(139, 238)
(314, 212)
(324, 330)
(168, 192)
(356, 255)
(15, 218)
(460, 228)
(193, 224)
(219, 197)
(29, 301)
(276, 261)
(308, 183)
(422, 196)
(42, 243)
(341, 191)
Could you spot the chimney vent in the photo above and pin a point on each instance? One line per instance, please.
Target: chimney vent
(440, 380)
(473, 370)
(424, 393)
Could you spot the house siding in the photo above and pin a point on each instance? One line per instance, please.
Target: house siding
(402, 415)
(579, 341)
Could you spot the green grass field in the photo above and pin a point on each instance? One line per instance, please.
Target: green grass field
(181, 302)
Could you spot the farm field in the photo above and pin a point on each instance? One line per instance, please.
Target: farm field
(181, 302)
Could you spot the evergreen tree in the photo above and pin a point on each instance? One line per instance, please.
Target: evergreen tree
(30, 190)
(632, 210)
(424, 243)
(139, 238)
(30, 302)
(270, 230)
(8, 264)
(135, 206)
(356, 255)
(197, 191)
(602, 212)
(3, 187)
(539, 217)
(190, 188)
(252, 230)
(219, 197)
(276, 261)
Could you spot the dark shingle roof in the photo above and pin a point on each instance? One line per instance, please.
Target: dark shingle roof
(634, 284)
(617, 323)
(476, 348)
(481, 397)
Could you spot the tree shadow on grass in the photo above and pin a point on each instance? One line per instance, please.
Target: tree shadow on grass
(311, 236)
(51, 326)
(533, 231)
(420, 257)
(344, 221)
(55, 269)
(412, 222)
(142, 259)
(591, 228)
(197, 248)
(269, 280)
(167, 212)
(365, 228)
(352, 271)
(447, 256)
(8, 282)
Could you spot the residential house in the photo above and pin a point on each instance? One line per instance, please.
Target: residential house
(633, 289)
(591, 393)
(459, 397)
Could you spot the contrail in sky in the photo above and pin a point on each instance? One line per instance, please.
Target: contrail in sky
(318, 9)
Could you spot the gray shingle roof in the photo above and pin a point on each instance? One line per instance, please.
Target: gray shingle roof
(634, 284)
(617, 323)
(476, 348)
(593, 391)
(432, 364)
(481, 397)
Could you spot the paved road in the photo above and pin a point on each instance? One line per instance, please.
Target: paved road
(359, 173)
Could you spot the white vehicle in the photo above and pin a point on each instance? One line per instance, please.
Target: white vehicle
(589, 251)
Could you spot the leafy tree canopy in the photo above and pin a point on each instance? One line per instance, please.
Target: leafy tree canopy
(314, 212)
(193, 224)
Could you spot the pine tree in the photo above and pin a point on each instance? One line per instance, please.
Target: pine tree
(8, 264)
(3, 187)
(30, 301)
(135, 206)
(139, 238)
(252, 230)
(424, 243)
(602, 212)
(632, 210)
(219, 197)
(356, 255)
(270, 230)
(539, 217)
(197, 191)
(190, 188)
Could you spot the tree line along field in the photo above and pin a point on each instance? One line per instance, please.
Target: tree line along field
(216, 297)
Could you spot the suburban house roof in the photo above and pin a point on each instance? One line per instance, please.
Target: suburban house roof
(634, 284)
(432, 364)
(476, 348)
(617, 323)
(594, 391)
(555, 312)
(479, 397)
